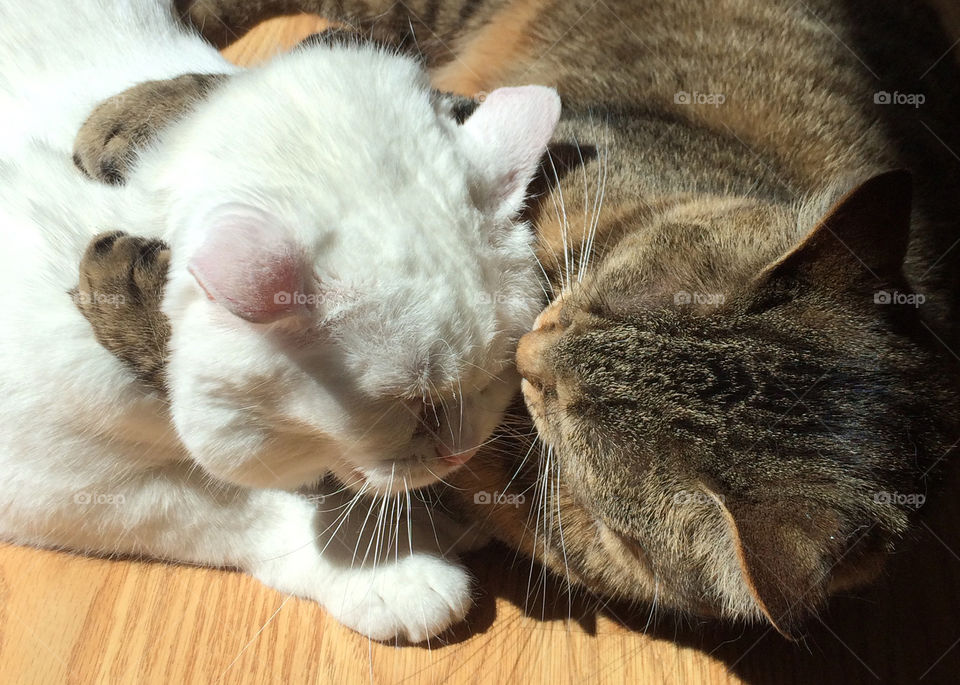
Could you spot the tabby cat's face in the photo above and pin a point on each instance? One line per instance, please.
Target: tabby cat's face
(745, 449)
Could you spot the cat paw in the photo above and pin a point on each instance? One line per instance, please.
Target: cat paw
(413, 599)
(119, 290)
(110, 138)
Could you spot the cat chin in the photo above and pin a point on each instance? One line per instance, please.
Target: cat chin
(391, 478)
(259, 476)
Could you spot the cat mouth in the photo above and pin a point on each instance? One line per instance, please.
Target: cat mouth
(409, 474)
(531, 358)
(454, 457)
(533, 398)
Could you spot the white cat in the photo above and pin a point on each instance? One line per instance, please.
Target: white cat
(349, 279)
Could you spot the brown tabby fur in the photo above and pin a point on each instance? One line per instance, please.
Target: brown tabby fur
(106, 145)
(119, 291)
(743, 457)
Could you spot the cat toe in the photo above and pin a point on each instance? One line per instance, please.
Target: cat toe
(112, 253)
(103, 149)
(103, 243)
(130, 269)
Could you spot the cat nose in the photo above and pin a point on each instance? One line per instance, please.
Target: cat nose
(549, 318)
(531, 351)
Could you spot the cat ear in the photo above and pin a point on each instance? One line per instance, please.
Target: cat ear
(249, 264)
(506, 137)
(862, 237)
(784, 556)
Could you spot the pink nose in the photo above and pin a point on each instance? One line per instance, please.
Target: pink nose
(455, 458)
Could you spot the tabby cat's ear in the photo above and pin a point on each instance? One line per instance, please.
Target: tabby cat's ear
(506, 137)
(862, 238)
(250, 264)
(784, 557)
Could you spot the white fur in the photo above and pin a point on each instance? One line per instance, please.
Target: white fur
(419, 283)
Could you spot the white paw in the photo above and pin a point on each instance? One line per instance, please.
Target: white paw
(414, 598)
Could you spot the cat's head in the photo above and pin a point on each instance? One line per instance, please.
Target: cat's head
(741, 431)
(349, 274)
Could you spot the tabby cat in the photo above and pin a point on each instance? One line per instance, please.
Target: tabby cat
(744, 382)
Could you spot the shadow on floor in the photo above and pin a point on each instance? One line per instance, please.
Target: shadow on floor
(904, 629)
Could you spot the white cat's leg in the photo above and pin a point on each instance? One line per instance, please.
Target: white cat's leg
(397, 576)
(364, 567)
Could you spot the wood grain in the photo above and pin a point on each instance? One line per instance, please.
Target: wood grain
(69, 619)
(272, 37)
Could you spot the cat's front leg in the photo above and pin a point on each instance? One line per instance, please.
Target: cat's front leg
(360, 563)
(121, 126)
(387, 565)
(113, 134)
(355, 556)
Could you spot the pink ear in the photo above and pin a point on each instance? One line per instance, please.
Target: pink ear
(508, 134)
(250, 265)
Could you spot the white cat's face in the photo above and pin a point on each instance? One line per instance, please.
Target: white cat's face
(348, 279)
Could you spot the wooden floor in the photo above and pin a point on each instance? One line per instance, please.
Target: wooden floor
(77, 620)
